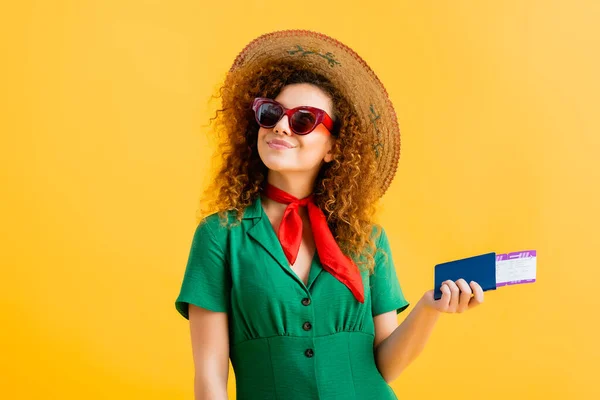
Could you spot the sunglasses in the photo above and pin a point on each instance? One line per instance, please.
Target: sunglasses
(303, 120)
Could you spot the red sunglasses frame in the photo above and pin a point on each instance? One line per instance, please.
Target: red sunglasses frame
(321, 116)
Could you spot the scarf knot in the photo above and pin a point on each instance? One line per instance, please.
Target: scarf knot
(290, 237)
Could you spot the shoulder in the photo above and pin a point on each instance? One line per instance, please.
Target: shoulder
(215, 221)
(382, 251)
(213, 228)
(221, 224)
(378, 235)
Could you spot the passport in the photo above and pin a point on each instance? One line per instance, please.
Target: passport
(481, 269)
(489, 270)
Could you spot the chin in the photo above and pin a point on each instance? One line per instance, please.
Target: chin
(277, 161)
(277, 165)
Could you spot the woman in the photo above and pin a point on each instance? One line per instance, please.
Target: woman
(291, 279)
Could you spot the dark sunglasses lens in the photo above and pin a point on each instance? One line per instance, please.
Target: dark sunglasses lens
(303, 121)
(268, 114)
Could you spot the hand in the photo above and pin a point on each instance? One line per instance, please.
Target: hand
(457, 297)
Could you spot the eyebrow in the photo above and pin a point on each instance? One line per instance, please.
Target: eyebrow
(302, 105)
(285, 105)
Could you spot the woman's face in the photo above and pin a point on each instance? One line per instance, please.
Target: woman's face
(307, 152)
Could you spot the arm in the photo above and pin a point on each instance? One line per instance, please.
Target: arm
(402, 344)
(210, 347)
(396, 346)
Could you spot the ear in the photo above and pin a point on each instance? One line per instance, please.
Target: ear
(329, 155)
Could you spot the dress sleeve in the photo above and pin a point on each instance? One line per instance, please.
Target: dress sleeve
(386, 293)
(207, 280)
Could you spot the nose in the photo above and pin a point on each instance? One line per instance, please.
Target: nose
(283, 126)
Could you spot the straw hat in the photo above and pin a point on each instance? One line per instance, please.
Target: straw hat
(347, 71)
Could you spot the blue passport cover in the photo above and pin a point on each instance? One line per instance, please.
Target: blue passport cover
(481, 269)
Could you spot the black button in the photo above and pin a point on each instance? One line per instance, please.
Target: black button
(306, 301)
(307, 326)
(309, 353)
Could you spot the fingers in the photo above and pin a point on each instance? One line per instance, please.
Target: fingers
(465, 295)
(454, 296)
(446, 295)
(478, 295)
(459, 296)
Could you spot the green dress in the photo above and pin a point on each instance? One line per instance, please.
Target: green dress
(288, 340)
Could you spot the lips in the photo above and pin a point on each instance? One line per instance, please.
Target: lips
(278, 143)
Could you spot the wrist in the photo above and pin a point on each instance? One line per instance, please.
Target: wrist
(427, 307)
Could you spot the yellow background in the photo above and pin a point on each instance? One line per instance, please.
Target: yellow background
(103, 115)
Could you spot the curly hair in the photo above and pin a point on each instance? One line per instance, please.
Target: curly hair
(344, 188)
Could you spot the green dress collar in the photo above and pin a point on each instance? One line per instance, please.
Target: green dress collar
(263, 233)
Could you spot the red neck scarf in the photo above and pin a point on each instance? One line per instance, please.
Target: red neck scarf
(290, 236)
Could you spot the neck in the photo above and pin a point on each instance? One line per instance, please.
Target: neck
(299, 188)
